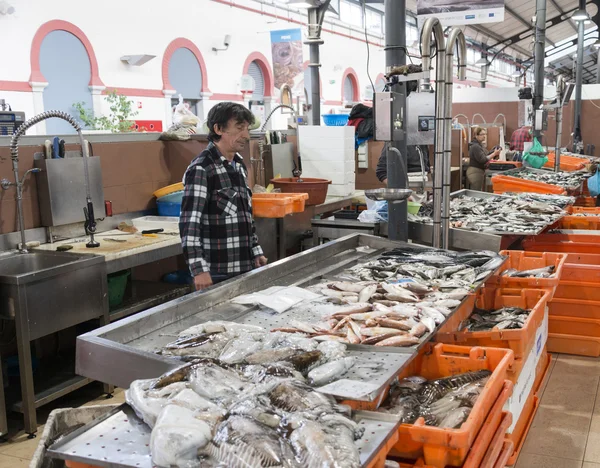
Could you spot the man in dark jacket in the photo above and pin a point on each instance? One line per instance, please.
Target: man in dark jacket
(413, 163)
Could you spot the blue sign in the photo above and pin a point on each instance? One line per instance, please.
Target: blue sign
(286, 35)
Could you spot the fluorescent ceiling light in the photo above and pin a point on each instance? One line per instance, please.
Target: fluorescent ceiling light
(516, 74)
(580, 15)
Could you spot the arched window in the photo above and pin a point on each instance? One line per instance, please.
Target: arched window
(350, 89)
(256, 73)
(65, 64)
(185, 75)
(184, 72)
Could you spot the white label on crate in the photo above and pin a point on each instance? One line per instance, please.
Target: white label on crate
(524, 385)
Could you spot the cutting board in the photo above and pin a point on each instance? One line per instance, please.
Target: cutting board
(108, 247)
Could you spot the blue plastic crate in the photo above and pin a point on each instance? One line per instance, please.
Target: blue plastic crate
(335, 120)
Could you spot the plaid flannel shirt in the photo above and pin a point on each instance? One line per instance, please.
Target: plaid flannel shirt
(518, 138)
(216, 225)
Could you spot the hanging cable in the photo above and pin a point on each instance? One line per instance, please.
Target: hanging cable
(364, 8)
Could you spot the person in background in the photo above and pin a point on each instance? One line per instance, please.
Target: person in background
(518, 139)
(217, 229)
(413, 162)
(478, 159)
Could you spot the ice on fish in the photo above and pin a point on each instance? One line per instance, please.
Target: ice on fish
(330, 371)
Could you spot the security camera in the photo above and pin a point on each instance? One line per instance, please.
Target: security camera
(226, 43)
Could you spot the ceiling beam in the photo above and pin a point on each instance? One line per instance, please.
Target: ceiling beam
(562, 12)
(524, 22)
(492, 35)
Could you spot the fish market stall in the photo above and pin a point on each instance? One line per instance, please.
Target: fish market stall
(526, 179)
(485, 220)
(365, 338)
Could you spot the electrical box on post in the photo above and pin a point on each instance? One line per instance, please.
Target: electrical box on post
(420, 119)
(388, 109)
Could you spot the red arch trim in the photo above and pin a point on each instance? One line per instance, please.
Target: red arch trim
(60, 25)
(349, 72)
(267, 72)
(170, 50)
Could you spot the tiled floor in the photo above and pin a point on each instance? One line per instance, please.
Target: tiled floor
(18, 451)
(565, 432)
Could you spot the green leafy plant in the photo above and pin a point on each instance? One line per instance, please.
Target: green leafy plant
(119, 119)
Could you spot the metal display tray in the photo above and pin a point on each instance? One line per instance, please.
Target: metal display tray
(486, 241)
(124, 351)
(511, 172)
(120, 439)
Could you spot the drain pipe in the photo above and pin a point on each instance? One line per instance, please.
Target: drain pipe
(395, 56)
(538, 67)
(560, 89)
(577, 137)
(433, 25)
(455, 37)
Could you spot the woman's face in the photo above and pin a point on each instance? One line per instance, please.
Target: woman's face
(481, 137)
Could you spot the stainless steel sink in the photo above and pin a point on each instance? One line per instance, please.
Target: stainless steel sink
(24, 268)
(45, 292)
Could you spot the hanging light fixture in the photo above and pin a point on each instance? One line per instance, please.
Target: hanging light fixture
(483, 61)
(580, 15)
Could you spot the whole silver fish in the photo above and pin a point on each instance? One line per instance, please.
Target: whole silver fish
(331, 371)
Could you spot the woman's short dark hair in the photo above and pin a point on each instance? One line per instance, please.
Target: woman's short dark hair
(479, 130)
(222, 113)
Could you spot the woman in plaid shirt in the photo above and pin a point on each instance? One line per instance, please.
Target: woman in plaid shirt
(217, 229)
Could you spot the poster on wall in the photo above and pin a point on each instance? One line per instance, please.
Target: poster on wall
(286, 47)
(461, 12)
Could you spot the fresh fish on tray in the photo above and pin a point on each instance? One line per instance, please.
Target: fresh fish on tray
(495, 214)
(560, 201)
(562, 178)
(445, 402)
(506, 318)
(545, 272)
(208, 413)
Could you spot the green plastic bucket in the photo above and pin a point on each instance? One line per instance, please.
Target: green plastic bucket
(117, 283)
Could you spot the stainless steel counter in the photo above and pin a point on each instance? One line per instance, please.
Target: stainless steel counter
(124, 351)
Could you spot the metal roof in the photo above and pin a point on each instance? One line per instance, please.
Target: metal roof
(517, 31)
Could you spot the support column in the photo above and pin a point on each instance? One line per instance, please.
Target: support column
(97, 99)
(539, 54)
(168, 93)
(37, 89)
(315, 20)
(598, 68)
(484, 68)
(577, 137)
(395, 36)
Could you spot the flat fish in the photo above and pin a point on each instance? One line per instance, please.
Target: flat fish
(399, 341)
(366, 293)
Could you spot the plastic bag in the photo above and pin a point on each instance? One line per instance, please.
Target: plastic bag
(593, 184)
(378, 212)
(534, 160)
(183, 116)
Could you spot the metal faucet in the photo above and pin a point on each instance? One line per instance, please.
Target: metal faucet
(88, 210)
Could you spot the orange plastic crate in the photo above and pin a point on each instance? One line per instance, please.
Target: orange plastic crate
(379, 461)
(587, 210)
(564, 243)
(519, 341)
(494, 428)
(520, 260)
(591, 223)
(507, 449)
(574, 344)
(440, 447)
(574, 307)
(565, 325)
(567, 163)
(277, 205)
(585, 201)
(502, 184)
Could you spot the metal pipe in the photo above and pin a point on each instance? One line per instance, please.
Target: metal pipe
(432, 25)
(560, 89)
(455, 37)
(598, 68)
(577, 137)
(540, 40)
(395, 56)
(314, 83)
(14, 153)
